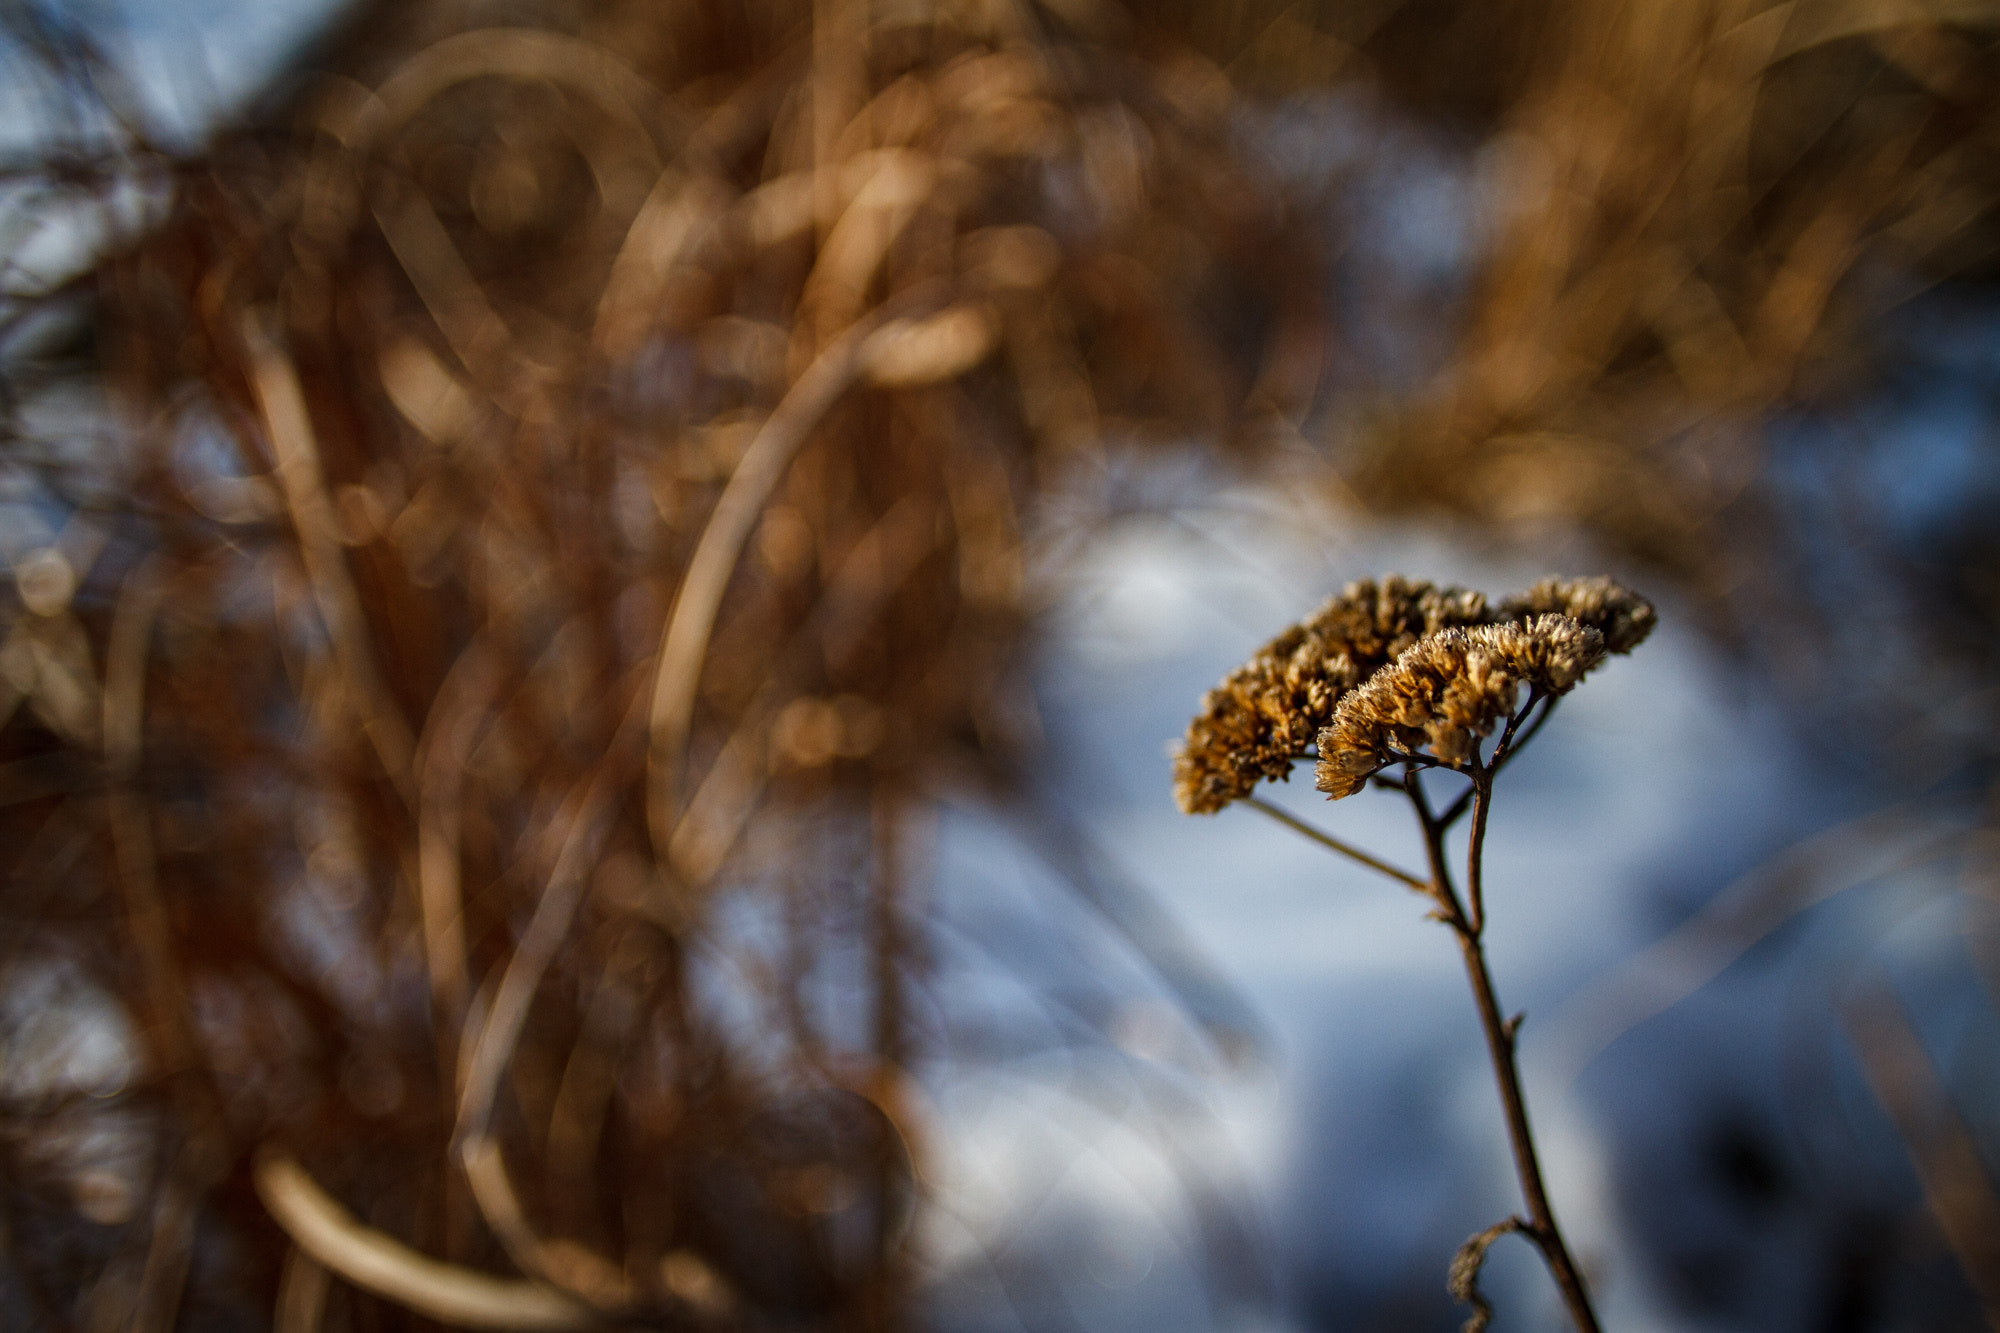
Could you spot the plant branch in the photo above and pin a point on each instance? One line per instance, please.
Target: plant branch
(1481, 793)
(1542, 1228)
(1508, 747)
(1325, 839)
(1463, 1280)
(1510, 744)
(1440, 889)
(1500, 1032)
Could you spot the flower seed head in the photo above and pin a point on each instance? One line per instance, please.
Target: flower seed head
(1261, 718)
(1446, 692)
(1622, 616)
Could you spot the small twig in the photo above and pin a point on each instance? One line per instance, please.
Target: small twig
(589, 1078)
(1463, 1279)
(1433, 827)
(1440, 889)
(1504, 752)
(133, 852)
(1348, 850)
(721, 804)
(1481, 793)
(1505, 745)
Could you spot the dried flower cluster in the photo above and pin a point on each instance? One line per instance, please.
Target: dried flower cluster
(1446, 692)
(1622, 616)
(1402, 664)
(1254, 725)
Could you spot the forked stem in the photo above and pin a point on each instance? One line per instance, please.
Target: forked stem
(1500, 1032)
(1467, 918)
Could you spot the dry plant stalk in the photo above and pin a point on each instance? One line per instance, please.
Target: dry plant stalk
(1404, 678)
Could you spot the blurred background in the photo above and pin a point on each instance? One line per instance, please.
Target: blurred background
(598, 596)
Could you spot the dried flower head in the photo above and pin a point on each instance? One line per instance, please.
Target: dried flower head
(1254, 725)
(1622, 616)
(1447, 691)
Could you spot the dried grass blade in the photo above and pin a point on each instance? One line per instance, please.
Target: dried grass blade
(684, 645)
(585, 818)
(289, 426)
(456, 722)
(1957, 1189)
(675, 218)
(478, 336)
(302, 1291)
(131, 819)
(380, 1264)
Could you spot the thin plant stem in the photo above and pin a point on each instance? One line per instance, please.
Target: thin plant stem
(1327, 840)
(1534, 728)
(1504, 752)
(1475, 850)
(1413, 787)
(1500, 1033)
